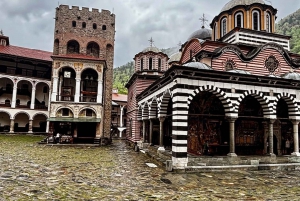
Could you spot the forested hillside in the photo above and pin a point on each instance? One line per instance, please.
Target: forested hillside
(122, 75)
(290, 26)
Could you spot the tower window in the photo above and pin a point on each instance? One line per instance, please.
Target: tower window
(150, 63)
(73, 47)
(83, 25)
(159, 64)
(224, 27)
(268, 23)
(93, 49)
(73, 23)
(255, 20)
(94, 26)
(104, 27)
(142, 64)
(239, 20)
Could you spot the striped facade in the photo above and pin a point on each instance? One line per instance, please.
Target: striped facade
(182, 88)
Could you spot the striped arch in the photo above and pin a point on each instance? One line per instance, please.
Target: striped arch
(145, 111)
(163, 105)
(228, 106)
(153, 109)
(291, 102)
(263, 101)
(140, 113)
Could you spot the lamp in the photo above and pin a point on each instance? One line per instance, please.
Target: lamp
(87, 77)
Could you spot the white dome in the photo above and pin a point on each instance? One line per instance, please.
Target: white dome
(233, 3)
(292, 76)
(202, 34)
(151, 49)
(175, 57)
(198, 65)
(239, 71)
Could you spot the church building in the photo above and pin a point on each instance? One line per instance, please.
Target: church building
(236, 92)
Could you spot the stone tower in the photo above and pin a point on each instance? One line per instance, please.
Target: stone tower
(82, 73)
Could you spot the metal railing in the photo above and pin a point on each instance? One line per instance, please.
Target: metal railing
(64, 98)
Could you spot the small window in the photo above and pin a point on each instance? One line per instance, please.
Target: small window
(142, 64)
(74, 24)
(89, 18)
(94, 26)
(104, 27)
(223, 27)
(83, 25)
(150, 63)
(159, 64)
(65, 112)
(78, 17)
(89, 113)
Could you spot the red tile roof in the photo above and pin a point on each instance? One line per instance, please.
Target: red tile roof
(26, 52)
(119, 97)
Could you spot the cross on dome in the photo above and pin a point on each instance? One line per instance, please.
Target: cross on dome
(1, 32)
(203, 20)
(151, 41)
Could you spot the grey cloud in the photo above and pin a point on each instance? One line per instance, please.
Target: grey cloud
(29, 23)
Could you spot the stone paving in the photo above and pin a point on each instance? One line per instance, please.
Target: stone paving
(29, 171)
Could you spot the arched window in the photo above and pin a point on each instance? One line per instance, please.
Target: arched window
(215, 31)
(159, 64)
(223, 27)
(93, 49)
(94, 26)
(103, 27)
(73, 47)
(239, 20)
(256, 20)
(142, 64)
(56, 47)
(150, 63)
(268, 23)
(83, 25)
(73, 23)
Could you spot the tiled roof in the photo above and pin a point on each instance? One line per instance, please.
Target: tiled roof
(77, 56)
(119, 97)
(26, 52)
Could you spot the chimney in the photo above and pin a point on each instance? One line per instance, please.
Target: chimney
(115, 91)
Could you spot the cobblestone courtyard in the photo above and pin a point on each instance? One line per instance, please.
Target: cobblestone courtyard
(37, 172)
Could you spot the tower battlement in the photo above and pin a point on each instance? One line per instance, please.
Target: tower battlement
(84, 9)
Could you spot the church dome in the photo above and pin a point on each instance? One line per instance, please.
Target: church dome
(292, 76)
(202, 34)
(151, 49)
(175, 57)
(198, 65)
(233, 3)
(239, 71)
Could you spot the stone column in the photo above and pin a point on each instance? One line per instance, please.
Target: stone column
(14, 97)
(77, 90)
(144, 130)
(161, 133)
(47, 127)
(151, 131)
(296, 138)
(30, 126)
(121, 120)
(32, 98)
(100, 91)
(231, 138)
(12, 125)
(271, 136)
(54, 88)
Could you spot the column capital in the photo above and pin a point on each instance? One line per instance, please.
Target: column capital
(78, 79)
(231, 119)
(272, 121)
(162, 119)
(295, 121)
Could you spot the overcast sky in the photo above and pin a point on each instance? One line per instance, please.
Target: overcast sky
(30, 23)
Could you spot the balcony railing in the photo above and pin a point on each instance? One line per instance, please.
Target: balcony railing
(88, 99)
(64, 98)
